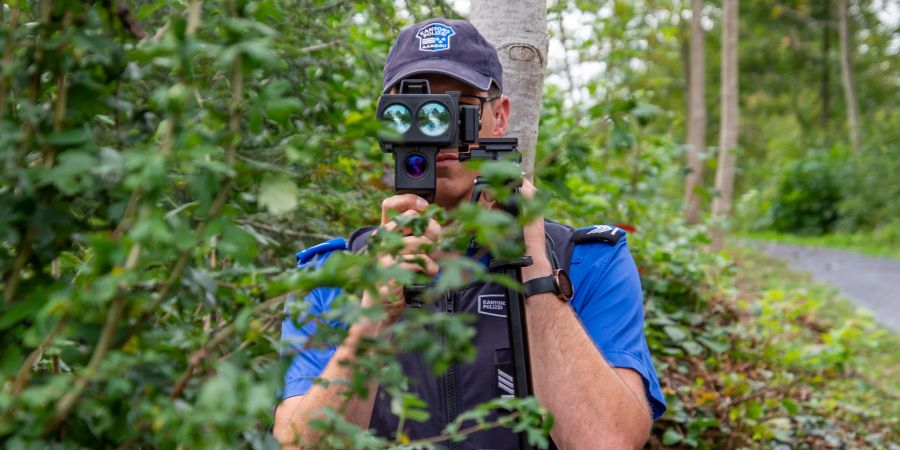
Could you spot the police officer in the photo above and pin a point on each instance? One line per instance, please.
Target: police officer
(590, 362)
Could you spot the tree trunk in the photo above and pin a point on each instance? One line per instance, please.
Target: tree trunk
(847, 76)
(728, 133)
(826, 69)
(696, 135)
(518, 29)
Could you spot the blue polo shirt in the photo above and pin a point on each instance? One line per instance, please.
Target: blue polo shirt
(608, 301)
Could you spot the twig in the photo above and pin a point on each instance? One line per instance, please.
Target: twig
(281, 230)
(129, 22)
(267, 166)
(275, 320)
(7, 56)
(71, 398)
(193, 22)
(225, 332)
(128, 216)
(22, 255)
(59, 106)
(68, 401)
(324, 8)
(874, 383)
(464, 431)
(194, 10)
(24, 374)
(317, 47)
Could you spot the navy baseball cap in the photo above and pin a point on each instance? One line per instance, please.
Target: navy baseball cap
(447, 47)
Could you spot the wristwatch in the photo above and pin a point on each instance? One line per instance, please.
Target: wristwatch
(558, 283)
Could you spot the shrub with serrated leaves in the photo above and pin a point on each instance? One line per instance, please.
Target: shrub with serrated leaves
(161, 162)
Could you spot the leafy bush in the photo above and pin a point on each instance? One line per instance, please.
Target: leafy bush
(808, 196)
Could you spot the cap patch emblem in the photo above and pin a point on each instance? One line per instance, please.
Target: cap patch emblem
(435, 37)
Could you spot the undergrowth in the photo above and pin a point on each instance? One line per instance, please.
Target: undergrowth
(767, 359)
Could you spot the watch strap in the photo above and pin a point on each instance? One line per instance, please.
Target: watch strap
(540, 286)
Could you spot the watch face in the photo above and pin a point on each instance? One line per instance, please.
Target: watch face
(564, 284)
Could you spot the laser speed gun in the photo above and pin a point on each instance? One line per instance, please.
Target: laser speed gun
(424, 123)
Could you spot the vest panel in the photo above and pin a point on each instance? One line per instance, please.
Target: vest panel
(465, 386)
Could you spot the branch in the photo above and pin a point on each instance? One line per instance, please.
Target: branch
(22, 255)
(71, 398)
(24, 374)
(214, 210)
(876, 384)
(323, 8)
(282, 230)
(225, 332)
(194, 10)
(464, 431)
(129, 22)
(317, 47)
(7, 56)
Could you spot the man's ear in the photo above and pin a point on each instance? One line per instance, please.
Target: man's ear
(501, 111)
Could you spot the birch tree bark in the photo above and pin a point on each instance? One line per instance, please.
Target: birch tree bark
(847, 76)
(728, 132)
(518, 29)
(696, 135)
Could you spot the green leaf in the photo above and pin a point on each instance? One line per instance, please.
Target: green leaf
(716, 346)
(73, 173)
(14, 313)
(692, 348)
(672, 436)
(73, 136)
(280, 109)
(278, 195)
(676, 333)
(790, 406)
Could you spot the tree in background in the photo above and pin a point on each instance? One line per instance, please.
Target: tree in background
(696, 134)
(519, 32)
(847, 78)
(728, 130)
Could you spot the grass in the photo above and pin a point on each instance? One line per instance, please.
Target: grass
(865, 243)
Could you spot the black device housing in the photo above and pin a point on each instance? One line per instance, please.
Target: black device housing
(463, 131)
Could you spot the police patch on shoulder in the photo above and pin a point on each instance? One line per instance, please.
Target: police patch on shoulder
(598, 233)
(434, 37)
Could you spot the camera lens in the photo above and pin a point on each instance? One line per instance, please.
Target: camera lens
(434, 119)
(398, 117)
(415, 165)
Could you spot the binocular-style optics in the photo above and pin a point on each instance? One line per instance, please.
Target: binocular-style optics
(425, 124)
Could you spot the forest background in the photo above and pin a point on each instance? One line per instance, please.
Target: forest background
(163, 160)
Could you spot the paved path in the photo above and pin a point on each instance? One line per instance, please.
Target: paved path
(871, 282)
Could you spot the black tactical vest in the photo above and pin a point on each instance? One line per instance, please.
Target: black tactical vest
(464, 386)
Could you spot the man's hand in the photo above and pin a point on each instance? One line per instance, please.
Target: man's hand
(535, 241)
(411, 257)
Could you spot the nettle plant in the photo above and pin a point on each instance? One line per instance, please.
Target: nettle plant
(161, 162)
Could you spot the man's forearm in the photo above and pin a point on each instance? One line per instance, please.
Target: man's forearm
(593, 405)
(294, 414)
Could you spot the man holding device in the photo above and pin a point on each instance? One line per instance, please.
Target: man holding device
(589, 359)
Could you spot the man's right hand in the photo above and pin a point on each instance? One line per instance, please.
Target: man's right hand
(412, 257)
